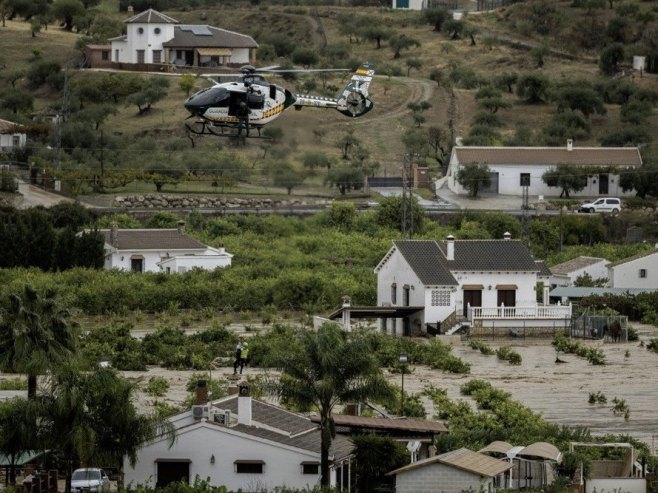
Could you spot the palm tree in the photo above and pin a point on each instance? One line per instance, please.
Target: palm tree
(36, 335)
(328, 368)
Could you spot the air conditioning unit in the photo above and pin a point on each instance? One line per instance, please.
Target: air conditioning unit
(222, 417)
(199, 412)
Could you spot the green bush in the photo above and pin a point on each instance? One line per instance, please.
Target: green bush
(157, 386)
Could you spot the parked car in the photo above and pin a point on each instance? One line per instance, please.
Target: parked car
(607, 204)
(89, 479)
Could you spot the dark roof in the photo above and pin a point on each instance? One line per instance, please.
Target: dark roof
(151, 16)
(208, 36)
(544, 271)
(489, 255)
(578, 156)
(575, 264)
(152, 239)
(427, 261)
(402, 424)
(270, 415)
(463, 459)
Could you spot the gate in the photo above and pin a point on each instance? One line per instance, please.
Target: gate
(613, 328)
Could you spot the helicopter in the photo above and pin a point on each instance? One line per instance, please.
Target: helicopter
(226, 109)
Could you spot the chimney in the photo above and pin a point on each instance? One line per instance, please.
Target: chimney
(459, 141)
(450, 247)
(221, 248)
(114, 235)
(181, 227)
(244, 404)
(201, 393)
(569, 145)
(507, 236)
(130, 9)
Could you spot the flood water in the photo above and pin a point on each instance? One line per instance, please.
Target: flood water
(560, 392)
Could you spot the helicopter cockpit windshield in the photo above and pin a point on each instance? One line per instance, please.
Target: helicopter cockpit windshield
(213, 97)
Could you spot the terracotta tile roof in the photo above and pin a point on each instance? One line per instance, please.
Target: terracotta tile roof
(634, 257)
(271, 416)
(9, 127)
(578, 156)
(150, 16)
(209, 37)
(152, 239)
(463, 459)
(575, 264)
(402, 424)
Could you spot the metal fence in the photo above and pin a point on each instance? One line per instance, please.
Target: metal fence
(613, 328)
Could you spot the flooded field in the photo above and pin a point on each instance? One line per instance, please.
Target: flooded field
(560, 392)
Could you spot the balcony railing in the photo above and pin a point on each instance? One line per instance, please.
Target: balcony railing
(520, 312)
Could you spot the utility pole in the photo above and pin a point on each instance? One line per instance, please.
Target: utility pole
(102, 159)
(407, 226)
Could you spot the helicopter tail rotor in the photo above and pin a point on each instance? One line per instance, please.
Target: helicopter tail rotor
(354, 99)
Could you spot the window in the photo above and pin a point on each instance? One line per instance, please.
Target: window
(137, 264)
(440, 297)
(116, 55)
(157, 56)
(405, 295)
(156, 30)
(16, 141)
(249, 466)
(310, 468)
(525, 179)
(105, 55)
(140, 30)
(643, 273)
(394, 293)
(140, 56)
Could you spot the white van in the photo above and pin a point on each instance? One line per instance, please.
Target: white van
(607, 204)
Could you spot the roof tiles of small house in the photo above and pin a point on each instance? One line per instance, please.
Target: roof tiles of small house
(634, 257)
(197, 37)
(578, 156)
(463, 459)
(150, 16)
(152, 239)
(402, 424)
(544, 270)
(490, 255)
(426, 260)
(7, 126)
(271, 415)
(575, 264)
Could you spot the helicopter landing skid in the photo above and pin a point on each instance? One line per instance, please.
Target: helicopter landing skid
(225, 130)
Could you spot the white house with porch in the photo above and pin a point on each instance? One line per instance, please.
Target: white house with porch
(513, 168)
(155, 38)
(435, 286)
(160, 250)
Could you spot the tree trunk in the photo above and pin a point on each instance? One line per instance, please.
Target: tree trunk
(325, 445)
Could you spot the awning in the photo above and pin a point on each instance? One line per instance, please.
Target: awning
(506, 286)
(472, 287)
(214, 51)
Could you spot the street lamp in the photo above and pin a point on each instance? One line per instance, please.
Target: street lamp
(403, 363)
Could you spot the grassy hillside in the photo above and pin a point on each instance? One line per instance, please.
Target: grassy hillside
(483, 56)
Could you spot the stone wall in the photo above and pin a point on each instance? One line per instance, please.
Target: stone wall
(161, 201)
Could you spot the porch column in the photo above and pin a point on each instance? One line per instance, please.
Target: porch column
(545, 299)
(347, 322)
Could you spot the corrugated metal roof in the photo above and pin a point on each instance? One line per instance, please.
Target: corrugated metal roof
(463, 459)
(402, 424)
(541, 449)
(575, 264)
(150, 16)
(578, 156)
(185, 37)
(498, 446)
(152, 239)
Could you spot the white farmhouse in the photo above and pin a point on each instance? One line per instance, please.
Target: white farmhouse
(155, 38)
(512, 168)
(639, 271)
(237, 442)
(426, 285)
(12, 136)
(566, 273)
(160, 250)
(410, 4)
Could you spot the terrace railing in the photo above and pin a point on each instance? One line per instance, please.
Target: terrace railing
(519, 312)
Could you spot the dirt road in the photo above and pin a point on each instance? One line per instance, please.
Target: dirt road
(33, 196)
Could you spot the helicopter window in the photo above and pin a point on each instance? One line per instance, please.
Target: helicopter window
(272, 91)
(255, 101)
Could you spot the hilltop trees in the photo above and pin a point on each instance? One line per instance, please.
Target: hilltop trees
(474, 177)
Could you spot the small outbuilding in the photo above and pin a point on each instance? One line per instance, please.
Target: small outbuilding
(452, 472)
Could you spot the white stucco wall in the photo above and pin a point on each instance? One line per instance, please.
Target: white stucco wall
(148, 41)
(122, 259)
(437, 477)
(435, 314)
(203, 440)
(627, 275)
(181, 264)
(239, 55)
(509, 177)
(598, 270)
(627, 485)
(525, 282)
(7, 141)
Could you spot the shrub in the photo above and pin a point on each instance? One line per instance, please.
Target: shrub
(157, 386)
